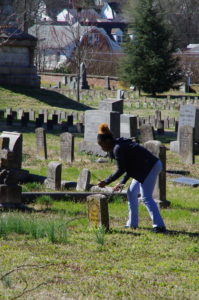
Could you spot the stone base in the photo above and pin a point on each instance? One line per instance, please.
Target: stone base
(10, 194)
(91, 148)
(24, 76)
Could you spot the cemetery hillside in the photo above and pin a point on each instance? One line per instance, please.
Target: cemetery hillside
(99, 150)
(51, 250)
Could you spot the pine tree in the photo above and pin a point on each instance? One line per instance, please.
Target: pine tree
(149, 63)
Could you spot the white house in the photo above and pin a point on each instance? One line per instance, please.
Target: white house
(107, 12)
(67, 15)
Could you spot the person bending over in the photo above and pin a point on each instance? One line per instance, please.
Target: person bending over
(138, 163)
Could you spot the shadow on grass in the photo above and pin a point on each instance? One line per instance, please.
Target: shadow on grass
(174, 232)
(120, 231)
(49, 97)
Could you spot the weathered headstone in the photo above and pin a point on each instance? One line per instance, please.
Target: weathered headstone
(93, 118)
(111, 105)
(98, 214)
(83, 180)
(128, 126)
(67, 147)
(186, 144)
(146, 133)
(160, 127)
(15, 145)
(189, 115)
(53, 180)
(120, 94)
(159, 194)
(107, 83)
(83, 77)
(41, 143)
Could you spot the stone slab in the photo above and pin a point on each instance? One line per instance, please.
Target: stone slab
(192, 182)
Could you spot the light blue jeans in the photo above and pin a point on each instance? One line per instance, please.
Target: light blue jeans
(146, 190)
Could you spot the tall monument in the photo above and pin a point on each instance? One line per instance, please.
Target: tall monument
(16, 50)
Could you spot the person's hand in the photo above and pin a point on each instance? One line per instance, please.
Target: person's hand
(102, 184)
(118, 188)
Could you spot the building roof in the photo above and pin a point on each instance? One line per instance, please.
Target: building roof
(63, 37)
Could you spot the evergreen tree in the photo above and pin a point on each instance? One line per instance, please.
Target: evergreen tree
(149, 63)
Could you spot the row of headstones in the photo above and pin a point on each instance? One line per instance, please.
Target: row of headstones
(57, 119)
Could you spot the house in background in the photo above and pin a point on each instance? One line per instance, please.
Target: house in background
(57, 45)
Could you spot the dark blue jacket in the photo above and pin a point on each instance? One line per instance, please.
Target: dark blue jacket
(132, 159)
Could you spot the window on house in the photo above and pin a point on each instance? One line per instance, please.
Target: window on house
(93, 38)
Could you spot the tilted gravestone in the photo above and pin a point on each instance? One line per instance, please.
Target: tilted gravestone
(98, 214)
(186, 144)
(67, 147)
(146, 133)
(53, 180)
(83, 180)
(41, 143)
(128, 126)
(159, 193)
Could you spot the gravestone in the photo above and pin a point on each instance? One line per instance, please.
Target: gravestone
(98, 214)
(83, 180)
(160, 127)
(67, 147)
(120, 94)
(158, 115)
(83, 77)
(159, 193)
(189, 115)
(9, 120)
(32, 114)
(111, 105)
(93, 118)
(186, 144)
(15, 146)
(1, 114)
(41, 143)
(20, 113)
(128, 126)
(107, 83)
(146, 133)
(53, 180)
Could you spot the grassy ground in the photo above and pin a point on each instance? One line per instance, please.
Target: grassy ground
(53, 253)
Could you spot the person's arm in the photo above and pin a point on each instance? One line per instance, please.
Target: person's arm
(121, 166)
